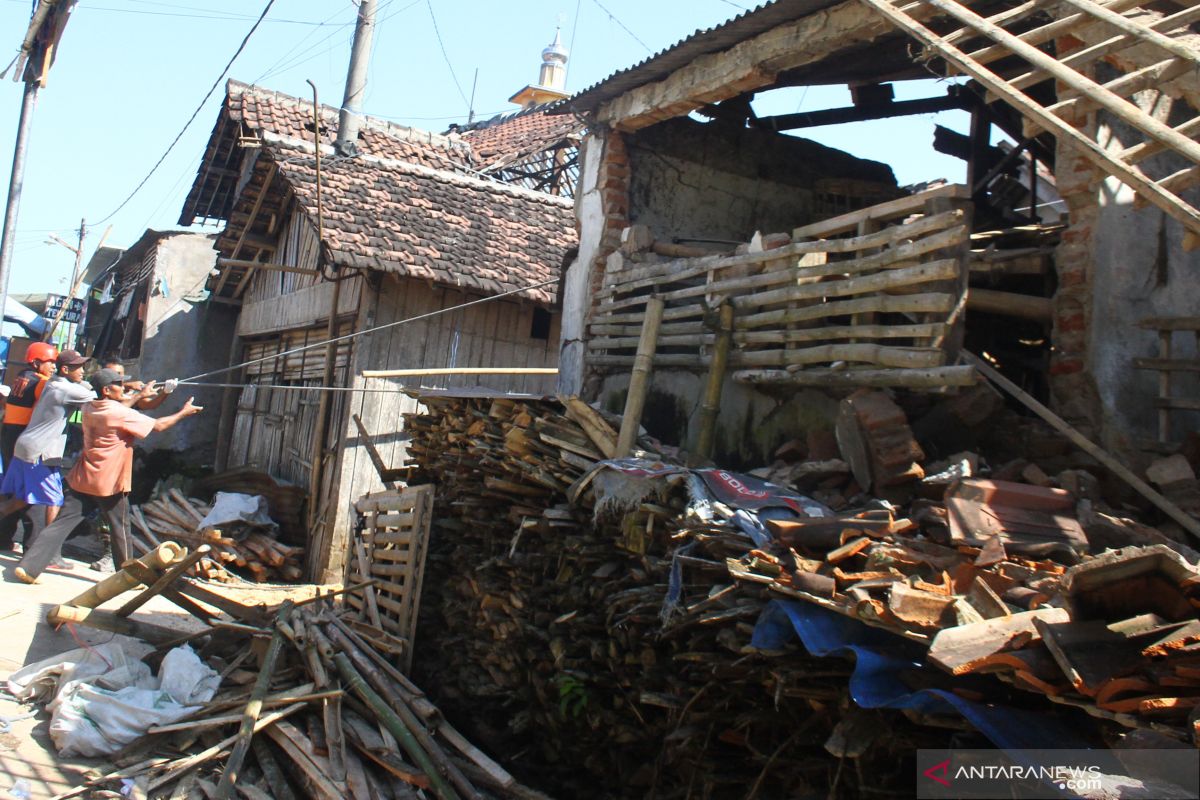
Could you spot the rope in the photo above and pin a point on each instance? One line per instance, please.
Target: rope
(355, 334)
(290, 388)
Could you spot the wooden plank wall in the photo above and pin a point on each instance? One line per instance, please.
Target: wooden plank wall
(273, 429)
(882, 286)
(493, 334)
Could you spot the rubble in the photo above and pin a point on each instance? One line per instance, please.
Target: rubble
(296, 701)
(613, 610)
(172, 517)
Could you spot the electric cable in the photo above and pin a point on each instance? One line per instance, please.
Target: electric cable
(355, 334)
(195, 114)
(446, 55)
(623, 26)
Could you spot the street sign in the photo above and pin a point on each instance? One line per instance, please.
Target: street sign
(74, 313)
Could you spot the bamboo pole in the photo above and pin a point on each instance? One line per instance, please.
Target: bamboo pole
(183, 765)
(716, 380)
(166, 580)
(379, 683)
(639, 379)
(122, 581)
(253, 709)
(394, 725)
(416, 373)
(1173, 511)
(280, 789)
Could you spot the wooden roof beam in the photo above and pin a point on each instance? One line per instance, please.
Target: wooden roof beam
(237, 247)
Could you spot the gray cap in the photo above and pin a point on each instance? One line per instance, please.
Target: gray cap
(106, 377)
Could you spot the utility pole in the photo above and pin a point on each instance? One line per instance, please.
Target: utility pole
(32, 63)
(350, 115)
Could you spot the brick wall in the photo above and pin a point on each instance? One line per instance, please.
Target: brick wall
(613, 184)
(1073, 391)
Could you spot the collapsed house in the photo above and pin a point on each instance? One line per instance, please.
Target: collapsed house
(611, 615)
(1100, 104)
(404, 229)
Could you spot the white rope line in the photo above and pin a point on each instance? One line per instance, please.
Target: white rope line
(348, 336)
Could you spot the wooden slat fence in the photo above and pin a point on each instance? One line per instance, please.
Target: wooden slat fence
(395, 537)
(888, 293)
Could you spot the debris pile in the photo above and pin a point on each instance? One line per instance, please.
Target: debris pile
(236, 552)
(613, 613)
(299, 701)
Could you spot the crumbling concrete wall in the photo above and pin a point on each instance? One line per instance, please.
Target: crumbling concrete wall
(1120, 262)
(183, 338)
(691, 180)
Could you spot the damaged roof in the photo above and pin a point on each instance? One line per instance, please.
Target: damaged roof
(417, 222)
(249, 111)
(511, 137)
(703, 42)
(410, 203)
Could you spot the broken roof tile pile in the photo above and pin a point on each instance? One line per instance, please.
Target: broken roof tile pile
(512, 137)
(613, 609)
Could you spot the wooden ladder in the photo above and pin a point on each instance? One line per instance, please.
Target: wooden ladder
(1122, 25)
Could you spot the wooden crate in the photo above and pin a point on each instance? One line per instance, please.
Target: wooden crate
(395, 540)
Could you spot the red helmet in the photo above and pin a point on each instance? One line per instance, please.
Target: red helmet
(41, 351)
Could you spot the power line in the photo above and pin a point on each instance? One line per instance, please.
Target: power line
(195, 113)
(280, 67)
(623, 26)
(224, 17)
(356, 334)
(574, 30)
(271, 69)
(446, 56)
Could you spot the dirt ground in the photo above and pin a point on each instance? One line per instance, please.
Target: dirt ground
(26, 751)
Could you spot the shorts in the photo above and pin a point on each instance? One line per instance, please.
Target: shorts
(36, 484)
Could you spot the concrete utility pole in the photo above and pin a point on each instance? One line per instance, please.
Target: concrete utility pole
(32, 63)
(356, 79)
(15, 184)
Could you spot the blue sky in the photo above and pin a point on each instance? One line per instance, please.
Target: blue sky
(130, 73)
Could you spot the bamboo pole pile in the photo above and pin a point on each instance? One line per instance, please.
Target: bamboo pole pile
(173, 517)
(322, 714)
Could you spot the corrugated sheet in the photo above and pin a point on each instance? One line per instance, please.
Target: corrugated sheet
(711, 40)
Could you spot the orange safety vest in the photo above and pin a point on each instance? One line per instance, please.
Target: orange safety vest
(26, 391)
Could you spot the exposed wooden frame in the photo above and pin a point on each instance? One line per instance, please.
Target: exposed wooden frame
(1155, 193)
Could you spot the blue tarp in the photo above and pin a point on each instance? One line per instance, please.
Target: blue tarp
(881, 658)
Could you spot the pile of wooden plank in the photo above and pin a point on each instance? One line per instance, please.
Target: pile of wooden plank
(541, 631)
(309, 705)
(173, 517)
(593, 627)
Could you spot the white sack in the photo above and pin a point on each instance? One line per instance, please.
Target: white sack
(101, 714)
(233, 507)
(40, 682)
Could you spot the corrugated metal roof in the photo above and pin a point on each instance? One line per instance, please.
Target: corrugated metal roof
(710, 40)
